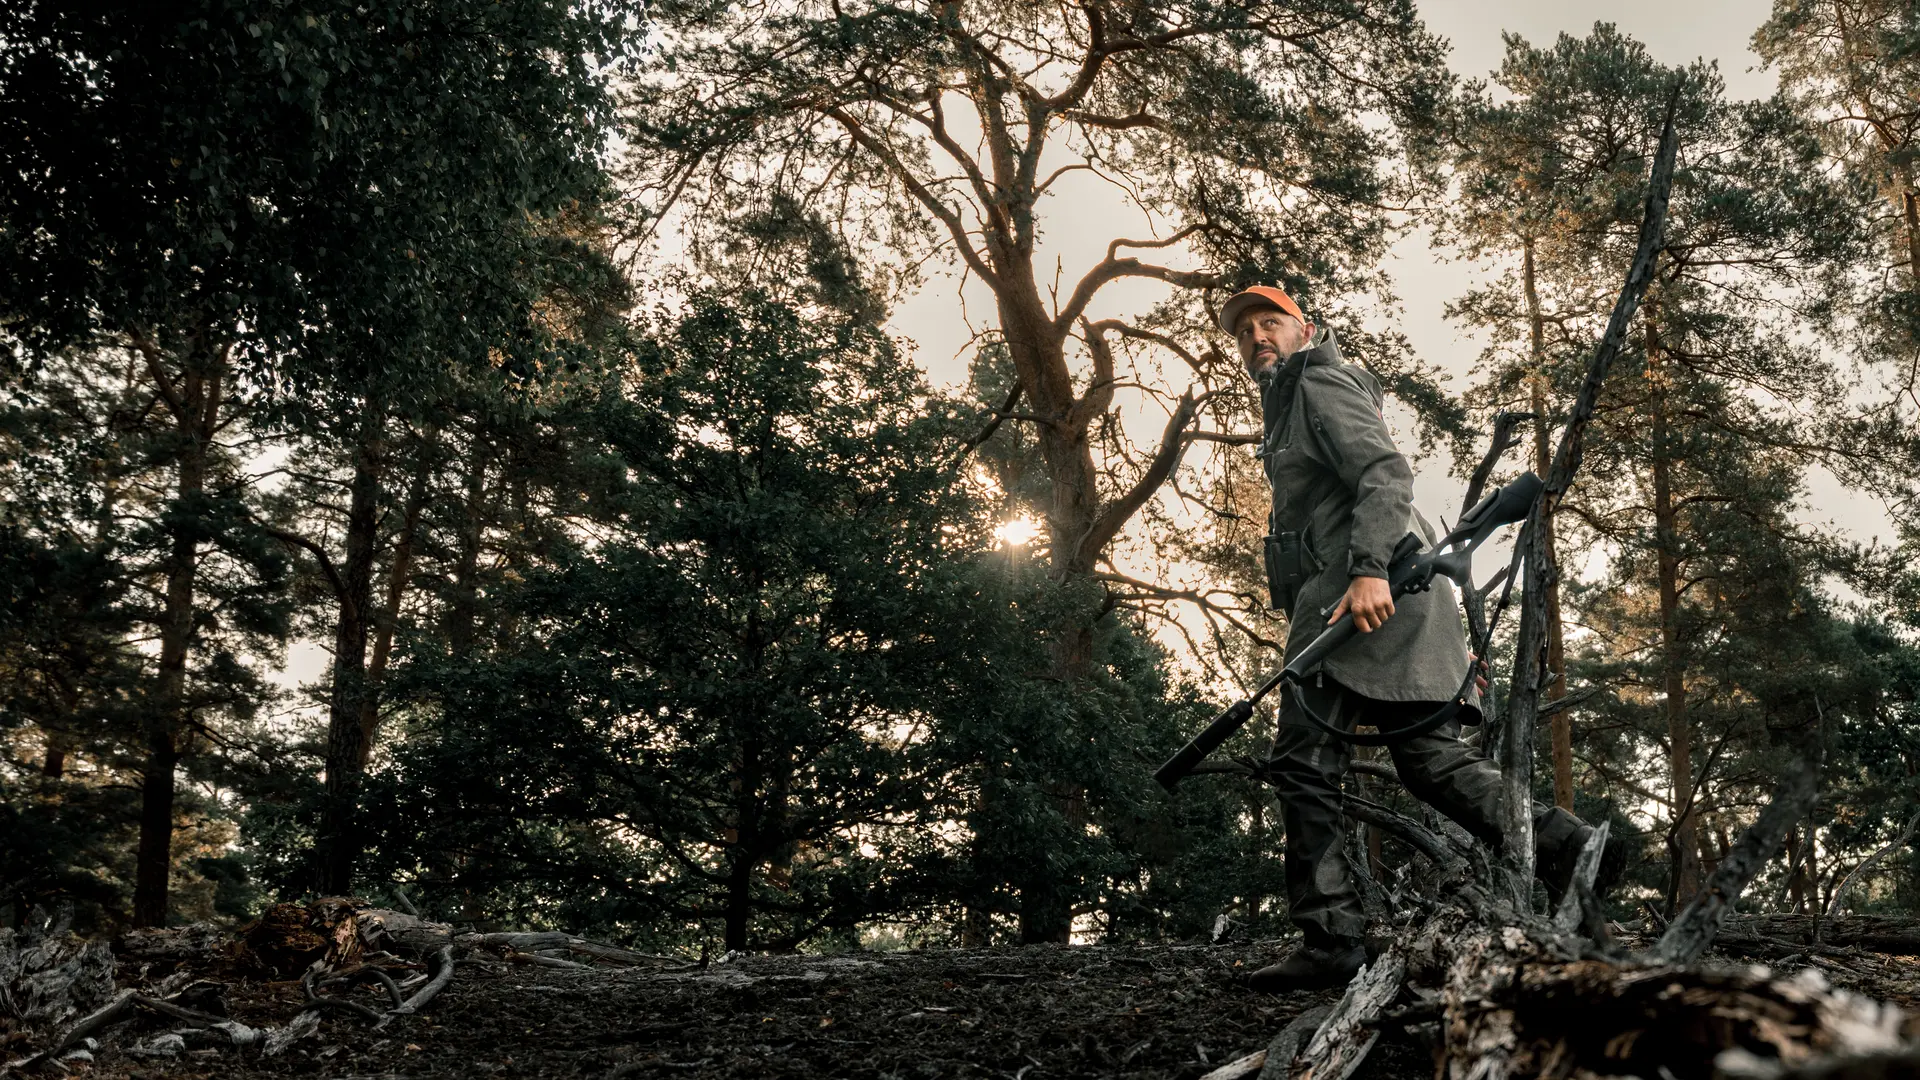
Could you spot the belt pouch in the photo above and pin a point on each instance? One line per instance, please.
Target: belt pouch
(1286, 569)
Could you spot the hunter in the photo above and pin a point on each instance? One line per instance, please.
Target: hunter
(1342, 503)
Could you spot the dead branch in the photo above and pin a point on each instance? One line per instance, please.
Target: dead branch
(1694, 929)
(1503, 440)
(1569, 916)
(1529, 661)
(442, 967)
(1349, 1031)
(1286, 1045)
(1838, 904)
(100, 1018)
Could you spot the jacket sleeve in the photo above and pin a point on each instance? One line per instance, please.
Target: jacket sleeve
(1346, 427)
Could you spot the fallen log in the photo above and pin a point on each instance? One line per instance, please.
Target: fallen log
(1892, 935)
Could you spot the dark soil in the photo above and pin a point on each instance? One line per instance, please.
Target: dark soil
(1159, 1012)
(1033, 1013)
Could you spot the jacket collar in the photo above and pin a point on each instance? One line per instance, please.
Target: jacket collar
(1277, 383)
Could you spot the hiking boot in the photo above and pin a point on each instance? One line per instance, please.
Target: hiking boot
(1558, 877)
(1312, 966)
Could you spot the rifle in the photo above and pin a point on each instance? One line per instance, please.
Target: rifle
(1412, 570)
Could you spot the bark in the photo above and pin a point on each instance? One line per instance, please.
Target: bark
(1889, 934)
(1910, 213)
(195, 402)
(54, 765)
(1562, 721)
(463, 607)
(388, 616)
(347, 749)
(1683, 837)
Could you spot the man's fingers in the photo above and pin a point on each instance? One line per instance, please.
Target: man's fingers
(1341, 609)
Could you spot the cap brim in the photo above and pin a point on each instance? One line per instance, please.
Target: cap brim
(1240, 302)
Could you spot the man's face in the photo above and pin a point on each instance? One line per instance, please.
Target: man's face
(1267, 336)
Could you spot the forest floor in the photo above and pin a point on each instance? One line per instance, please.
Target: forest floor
(1161, 1012)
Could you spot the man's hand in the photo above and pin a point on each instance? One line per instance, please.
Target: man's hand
(1370, 601)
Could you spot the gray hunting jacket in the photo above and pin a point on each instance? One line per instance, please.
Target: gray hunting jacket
(1338, 480)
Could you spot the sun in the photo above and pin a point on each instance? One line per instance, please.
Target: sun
(1017, 533)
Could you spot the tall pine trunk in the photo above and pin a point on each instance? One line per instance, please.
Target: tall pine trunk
(1685, 836)
(398, 570)
(195, 403)
(1562, 720)
(347, 749)
(463, 607)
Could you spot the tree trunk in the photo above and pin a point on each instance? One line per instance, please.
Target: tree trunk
(1685, 842)
(739, 902)
(1910, 212)
(339, 842)
(196, 407)
(1562, 721)
(463, 607)
(743, 847)
(1040, 360)
(54, 765)
(389, 614)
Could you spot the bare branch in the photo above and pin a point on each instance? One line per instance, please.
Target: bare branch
(1001, 414)
(1110, 269)
(319, 554)
(1108, 524)
(947, 215)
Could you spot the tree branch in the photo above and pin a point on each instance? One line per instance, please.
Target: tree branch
(1108, 524)
(947, 215)
(1109, 269)
(320, 555)
(1000, 415)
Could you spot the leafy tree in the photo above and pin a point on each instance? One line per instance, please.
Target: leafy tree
(316, 205)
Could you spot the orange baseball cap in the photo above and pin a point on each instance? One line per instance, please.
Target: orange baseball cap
(1257, 296)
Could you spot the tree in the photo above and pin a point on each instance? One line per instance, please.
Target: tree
(941, 131)
(738, 677)
(1753, 250)
(304, 204)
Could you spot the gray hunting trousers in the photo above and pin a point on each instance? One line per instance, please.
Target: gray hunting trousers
(1307, 765)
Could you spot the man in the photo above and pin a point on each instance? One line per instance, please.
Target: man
(1342, 504)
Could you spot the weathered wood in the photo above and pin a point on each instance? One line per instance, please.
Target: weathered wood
(1568, 918)
(536, 960)
(1738, 1064)
(48, 976)
(1239, 1068)
(1435, 847)
(1518, 1006)
(1286, 1045)
(111, 1012)
(1478, 631)
(1529, 661)
(1893, 935)
(1694, 929)
(1344, 1037)
(442, 964)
